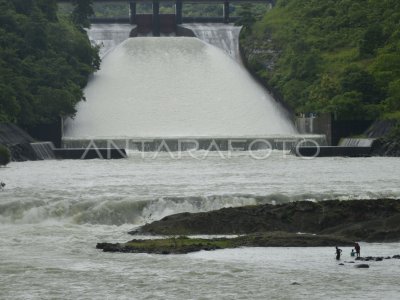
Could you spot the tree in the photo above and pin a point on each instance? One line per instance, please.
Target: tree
(358, 80)
(23, 6)
(49, 8)
(81, 13)
(45, 63)
(348, 106)
(373, 38)
(393, 101)
(246, 18)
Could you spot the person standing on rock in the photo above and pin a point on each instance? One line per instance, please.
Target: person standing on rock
(358, 249)
(338, 253)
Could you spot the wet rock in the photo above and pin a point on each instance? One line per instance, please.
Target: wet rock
(378, 258)
(362, 266)
(341, 264)
(367, 220)
(183, 244)
(17, 141)
(295, 283)
(107, 247)
(387, 146)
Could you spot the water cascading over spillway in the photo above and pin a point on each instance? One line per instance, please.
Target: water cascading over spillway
(108, 36)
(223, 36)
(175, 87)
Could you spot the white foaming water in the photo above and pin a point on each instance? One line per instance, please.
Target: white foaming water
(52, 214)
(174, 87)
(108, 36)
(223, 36)
(138, 190)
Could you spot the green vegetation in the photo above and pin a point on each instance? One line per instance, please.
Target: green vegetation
(83, 9)
(182, 243)
(5, 156)
(185, 244)
(248, 14)
(334, 56)
(45, 61)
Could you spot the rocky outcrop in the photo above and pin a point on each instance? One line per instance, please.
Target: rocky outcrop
(17, 141)
(386, 147)
(377, 258)
(367, 220)
(362, 266)
(184, 244)
(386, 143)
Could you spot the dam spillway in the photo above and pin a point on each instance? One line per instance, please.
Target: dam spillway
(175, 87)
(108, 36)
(223, 36)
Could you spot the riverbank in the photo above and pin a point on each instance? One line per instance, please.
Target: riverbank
(327, 223)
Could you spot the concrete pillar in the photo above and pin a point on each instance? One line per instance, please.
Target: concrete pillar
(156, 18)
(132, 12)
(178, 11)
(226, 12)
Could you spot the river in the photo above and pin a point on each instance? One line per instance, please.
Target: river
(52, 214)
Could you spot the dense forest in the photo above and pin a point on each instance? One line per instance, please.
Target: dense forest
(334, 56)
(45, 60)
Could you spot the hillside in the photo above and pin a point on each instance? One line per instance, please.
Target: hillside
(336, 56)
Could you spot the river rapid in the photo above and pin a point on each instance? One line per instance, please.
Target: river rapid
(52, 214)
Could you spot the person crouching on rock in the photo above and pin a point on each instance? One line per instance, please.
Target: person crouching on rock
(358, 249)
(338, 253)
(353, 253)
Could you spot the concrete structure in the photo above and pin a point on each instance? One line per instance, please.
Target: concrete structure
(161, 23)
(90, 153)
(334, 129)
(332, 151)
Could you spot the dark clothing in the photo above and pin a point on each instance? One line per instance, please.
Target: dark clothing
(338, 253)
(358, 249)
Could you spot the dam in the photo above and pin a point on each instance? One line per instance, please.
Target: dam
(171, 88)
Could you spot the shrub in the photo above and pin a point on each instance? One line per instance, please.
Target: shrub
(5, 156)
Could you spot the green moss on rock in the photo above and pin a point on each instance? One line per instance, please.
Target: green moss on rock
(185, 244)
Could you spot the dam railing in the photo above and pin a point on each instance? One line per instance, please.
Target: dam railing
(158, 22)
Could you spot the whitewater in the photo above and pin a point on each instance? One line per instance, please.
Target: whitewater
(52, 214)
(174, 87)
